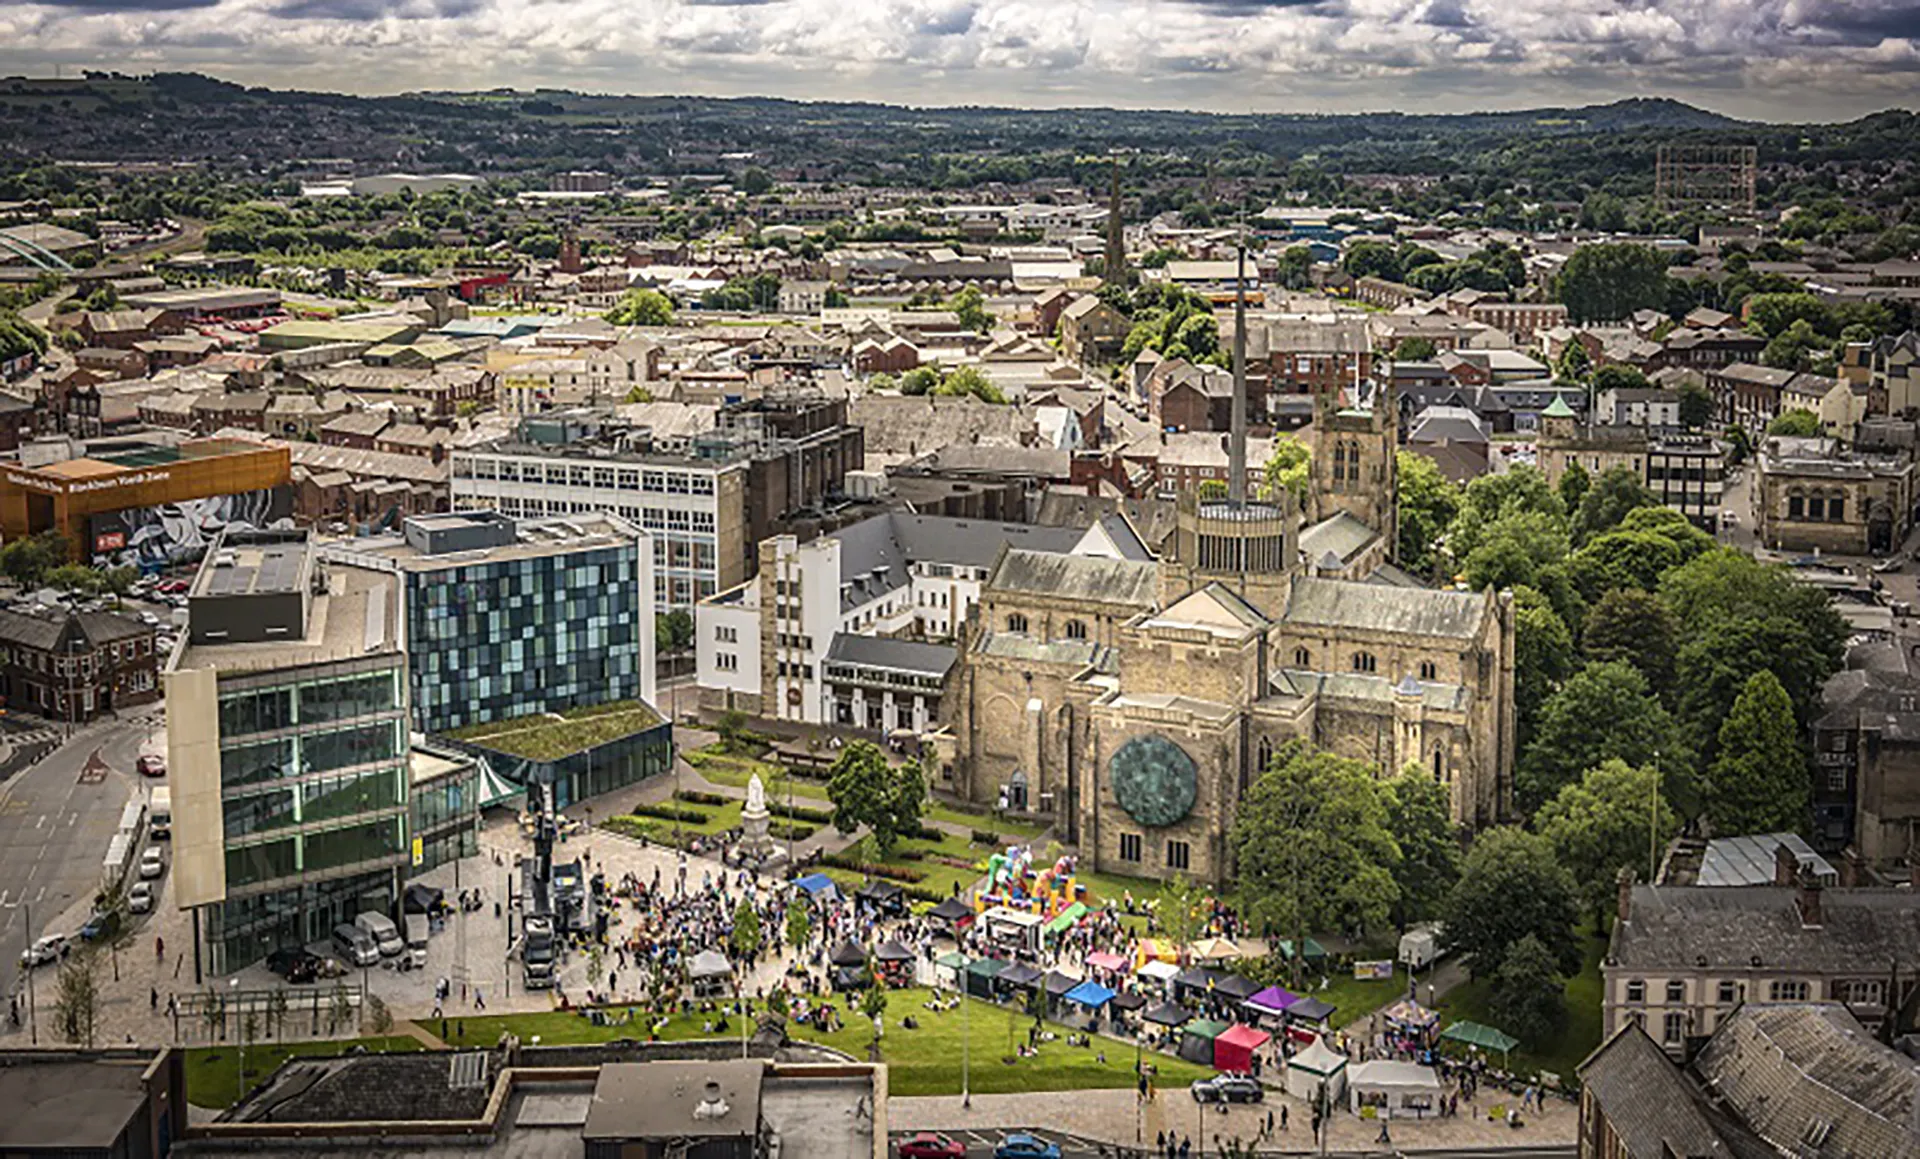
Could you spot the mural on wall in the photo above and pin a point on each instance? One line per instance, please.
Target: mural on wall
(174, 533)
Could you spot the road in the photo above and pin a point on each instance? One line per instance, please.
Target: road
(57, 817)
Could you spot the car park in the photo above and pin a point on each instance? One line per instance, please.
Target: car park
(140, 897)
(1228, 1088)
(931, 1145)
(1025, 1146)
(153, 862)
(294, 963)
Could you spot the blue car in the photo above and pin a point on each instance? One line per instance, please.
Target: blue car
(1026, 1147)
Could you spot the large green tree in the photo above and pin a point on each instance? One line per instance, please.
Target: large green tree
(1512, 886)
(1607, 283)
(1288, 467)
(1605, 822)
(1635, 626)
(1543, 657)
(1512, 549)
(1428, 503)
(1420, 818)
(1758, 782)
(1795, 423)
(1604, 711)
(1490, 498)
(1529, 997)
(642, 308)
(1312, 846)
(1616, 492)
(866, 790)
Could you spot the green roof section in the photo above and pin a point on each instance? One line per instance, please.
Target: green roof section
(1557, 409)
(548, 736)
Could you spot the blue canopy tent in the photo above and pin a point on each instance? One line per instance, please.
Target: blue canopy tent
(818, 887)
(1092, 995)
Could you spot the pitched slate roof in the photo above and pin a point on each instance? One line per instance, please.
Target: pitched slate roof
(1730, 926)
(1330, 603)
(898, 655)
(1647, 1101)
(1115, 581)
(1340, 533)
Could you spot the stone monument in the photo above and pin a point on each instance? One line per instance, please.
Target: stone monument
(756, 845)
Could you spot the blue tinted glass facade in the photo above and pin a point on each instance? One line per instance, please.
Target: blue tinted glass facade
(497, 639)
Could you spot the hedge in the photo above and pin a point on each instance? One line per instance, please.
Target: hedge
(671, 813)
(800, 813)
(697, 797)
(785, 830)
(985, 837)
(872, 868)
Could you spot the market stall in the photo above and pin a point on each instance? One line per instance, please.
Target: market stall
(1109, 966)
(1019, 976)
(1315, 1066)
(1394, 1089)
(1309, 1015)
(1315, 952)
(1213, 950)
(1269, 1004)
(1410, 1026)
(1235, 1047)
(1013, 930)
(1195, 985)
(1475, 1036)
(1090, 995)
(951, 917)
(710, 973)
(818, 887)
(1155, 950)
(1158, 976)
(847, 963)
(1196, 1040)
(883, 897)
(950, 970)
(1124, 1011)
(893, 964)
(980, 975)
(1057, 985)
(1235, 989)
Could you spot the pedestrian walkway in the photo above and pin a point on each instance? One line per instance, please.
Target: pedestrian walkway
(421, 1034)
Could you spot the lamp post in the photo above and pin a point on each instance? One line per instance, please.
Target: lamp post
(966, 1044)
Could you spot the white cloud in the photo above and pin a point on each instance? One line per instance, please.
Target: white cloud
(1786, 59)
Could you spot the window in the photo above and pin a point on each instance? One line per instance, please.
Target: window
(1076, 630)
(1129, 847)
(1363, 662)
(726, 634)
(1676, 992)
(1302, 658)
(1729, 993)
(1439, 763)
(726, 662)
(1636, 991)
(1796, 507)
(1016, 623)
(1177, 855)
(1787, 991)
(1429, 670)
(1837, 508)
(1674, 1028)
(1863, 992)
(1816, 508)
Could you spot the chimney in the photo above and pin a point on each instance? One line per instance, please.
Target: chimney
(1852, 869)
(1786, 867)
(1807, 897)
(1624, 906)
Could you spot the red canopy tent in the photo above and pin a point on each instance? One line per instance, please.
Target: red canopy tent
(1233, 1050)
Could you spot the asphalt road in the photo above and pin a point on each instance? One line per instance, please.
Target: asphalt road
(57, 818)
(980, 1145)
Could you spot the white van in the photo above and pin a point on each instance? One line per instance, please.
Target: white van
(417, 930)
(355, 945)
(160, 814)
(381, 929)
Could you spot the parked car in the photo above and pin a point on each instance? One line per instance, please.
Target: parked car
(50, 948)
(1024, 1146)
(1228, 1088)
(100, 925)
(294, 963)
(1891, 563)
(931, 1145)
(153, 863)
(151, 765)
(140, 897)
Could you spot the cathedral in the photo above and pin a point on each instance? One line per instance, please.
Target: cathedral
(1134, 694)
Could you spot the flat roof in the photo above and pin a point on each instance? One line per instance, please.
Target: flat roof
(354, 618)
(70, 1105)
(247, 569)
(428, 765)
(550, 736)
(536, 538)
(660, 1100)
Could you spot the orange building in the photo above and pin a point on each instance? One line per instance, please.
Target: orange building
(100, 503)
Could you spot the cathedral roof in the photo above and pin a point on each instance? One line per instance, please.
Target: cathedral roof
(1014, 646)
(1077, 577)
(1215, 608)
(1340, 534)
(1332, 603)
(1377, 689)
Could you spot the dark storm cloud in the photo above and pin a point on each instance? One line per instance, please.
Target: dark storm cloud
(106, 6)
(1866, 24)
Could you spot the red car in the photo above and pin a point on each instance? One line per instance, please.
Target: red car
(151, 765)
(931, 1145)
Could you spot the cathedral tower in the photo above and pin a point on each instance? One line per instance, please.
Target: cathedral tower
(1353, 468)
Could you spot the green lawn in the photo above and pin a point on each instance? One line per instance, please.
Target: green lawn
(940, 878)
(213, 1072)
(926, 1061)
(1473, 1001)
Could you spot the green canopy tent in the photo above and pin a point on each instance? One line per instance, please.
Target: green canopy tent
(950, 970)
(1484, 1037)
(980, 975)
(1196, 1040)
(1315, 952)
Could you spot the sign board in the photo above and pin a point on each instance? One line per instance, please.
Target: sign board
(1380, 971)
(420, 858)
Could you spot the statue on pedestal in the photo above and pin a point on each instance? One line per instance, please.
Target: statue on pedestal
(756, 845)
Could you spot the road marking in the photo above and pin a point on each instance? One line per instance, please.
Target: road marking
(3, 897)
(41, 822)
(41, 894)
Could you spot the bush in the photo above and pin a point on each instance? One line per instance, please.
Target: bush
(698, 797)
(800, 813)
(787, 830)
(626, 826)
(872, 868)
(985, 837)
(670, 813)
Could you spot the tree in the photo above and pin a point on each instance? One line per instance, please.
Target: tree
(1288, 467)
(1696, 406)
(756, 183)
(27, 561)
(1180, 910)
(1603, 211)
(1604, 711)
(672, 631)
(1514, 548)
(1428, 503)
(1798, 347)
(1573, 486)
(1770, 315)
(969, 307)
(969, 380)
(1510, 887)
(642, 308)
(873, 1004)
(377, 1016)
(1529, 999)
(1633, 626)
(799, 924)
(1622, 558)
(1613, 376)
(1493, 497)
(1606, 283)
(1414, 350)
(1575, 363)
(744, 938)
(1758, 782)
(919, 380)
(866, 790)
(1797, 423)
(1372, 259)
(77, 998)
(1312, 845)
(1543, 657)
(1604, 823)
(1420, 819)
(1617, 491)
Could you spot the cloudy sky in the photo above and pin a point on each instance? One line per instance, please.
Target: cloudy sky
(1773, 59)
